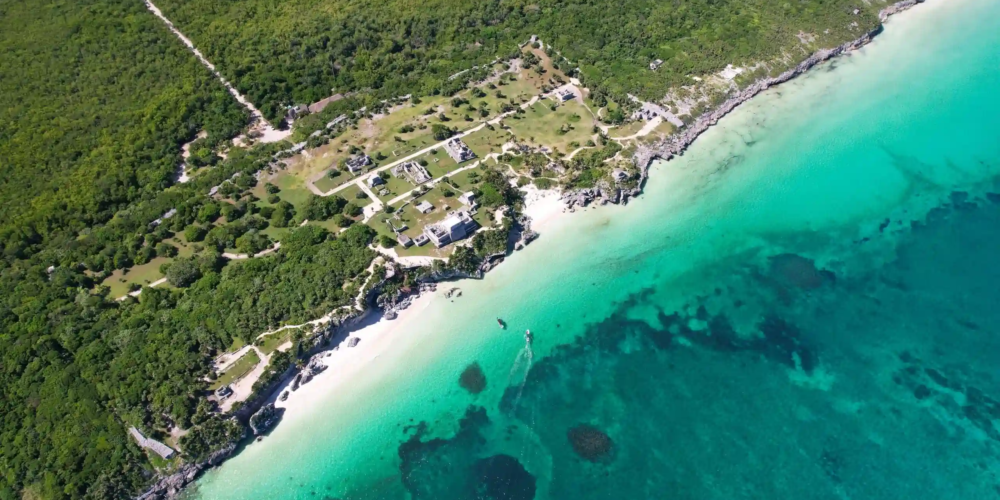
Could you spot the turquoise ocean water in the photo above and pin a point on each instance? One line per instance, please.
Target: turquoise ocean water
(806, 305)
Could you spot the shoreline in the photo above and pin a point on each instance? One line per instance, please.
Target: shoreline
(344, 363)
(542, 207)
(676, 145)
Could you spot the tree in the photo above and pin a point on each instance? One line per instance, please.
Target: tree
(252, 243)
(271, 188)
(145, 254)
(283, 213)
(386, 241)
(342, 221)
(183, 272)
(194, 233)
(352, 210)
(165, 250)
(208, 213)
(441, 132)
(322, 207)
(231, 212)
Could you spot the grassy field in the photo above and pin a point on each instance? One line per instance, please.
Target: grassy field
(462, 178)
(396, 187)
(351, 195)
(292, 189)
(271, 342)
(662, 130)
(486, 141)
(626, 129)
(559, 130)
(439, 163)
(237, 344)
(237, 370)
(325, 183)
(382, 134)
(120, 280)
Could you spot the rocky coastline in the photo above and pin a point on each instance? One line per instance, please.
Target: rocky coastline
(390, 304)
(676, 144)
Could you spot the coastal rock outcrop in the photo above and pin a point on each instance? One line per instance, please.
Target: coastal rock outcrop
(265, 419)
(170, 486)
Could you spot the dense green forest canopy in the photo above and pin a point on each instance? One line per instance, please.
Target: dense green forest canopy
(296, 51)
(78, 367)
(96, 98)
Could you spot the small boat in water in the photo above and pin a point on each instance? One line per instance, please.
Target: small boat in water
(527, 336)
(501, 323)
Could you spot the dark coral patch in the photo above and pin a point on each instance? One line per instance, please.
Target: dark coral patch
(502, 477)
(797, 271)
(473, 379)
(590, 442)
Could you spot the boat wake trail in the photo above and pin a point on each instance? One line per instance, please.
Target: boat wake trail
(519, 371)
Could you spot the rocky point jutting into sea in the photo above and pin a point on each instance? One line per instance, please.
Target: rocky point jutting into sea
(800, 307)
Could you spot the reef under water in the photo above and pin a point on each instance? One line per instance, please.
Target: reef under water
(870, 377)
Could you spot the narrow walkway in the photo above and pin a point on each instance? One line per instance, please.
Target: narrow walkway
(242, 256)
(139, 291)
(269, 133)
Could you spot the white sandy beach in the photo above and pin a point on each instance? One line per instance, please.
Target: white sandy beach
(542, 206)
(346, 363)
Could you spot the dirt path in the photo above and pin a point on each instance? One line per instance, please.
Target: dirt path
(433, 182)
(242, 256)
(426, 150)
(268, 132)
(139, 291)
